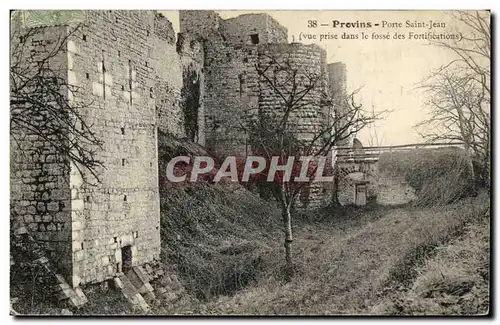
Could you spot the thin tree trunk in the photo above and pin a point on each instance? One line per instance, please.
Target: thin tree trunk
(336, 178)
(287, 219)
(471, 167)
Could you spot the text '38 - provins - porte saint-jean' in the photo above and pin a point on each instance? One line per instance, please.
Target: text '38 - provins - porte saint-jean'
(208, 163)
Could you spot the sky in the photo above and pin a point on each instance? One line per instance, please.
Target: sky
(387, 71)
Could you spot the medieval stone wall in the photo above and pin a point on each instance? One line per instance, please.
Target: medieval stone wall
(130, 76)
(352, 173)
(308, 120)
(228, 96)
(167, 67)
(199, 23)
(307, 60)
(230, 93)
(192, 59)
(394, 190)
(254, 29)
(113, 60)
(381, 187)
(135, 80)
(337, 90)
(40, 195)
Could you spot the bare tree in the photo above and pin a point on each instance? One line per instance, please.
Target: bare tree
(458, 94)
(42, 101)
(276, 131)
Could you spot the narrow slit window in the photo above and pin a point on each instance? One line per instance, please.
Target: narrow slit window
(103, 76)
(241, 77)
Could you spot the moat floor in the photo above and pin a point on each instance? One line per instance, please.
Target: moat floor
(387, 261)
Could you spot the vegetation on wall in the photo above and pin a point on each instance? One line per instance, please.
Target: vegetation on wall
(190, 94)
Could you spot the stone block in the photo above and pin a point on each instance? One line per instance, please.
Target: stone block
(20, 231)
(79, 255)
(118, 283)
(76, 225)
(77, 205)
(97, 89)
(74, 193)
(72, 47)
(28, 219)
(53, 206)
(72, 78)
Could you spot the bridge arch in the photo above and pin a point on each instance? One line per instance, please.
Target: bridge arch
(353, 174)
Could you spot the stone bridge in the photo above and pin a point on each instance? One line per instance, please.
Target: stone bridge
(359, 178)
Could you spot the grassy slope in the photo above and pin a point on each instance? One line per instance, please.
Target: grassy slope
(349, 269)
(455, 281)
(215, 235)
(439, 175)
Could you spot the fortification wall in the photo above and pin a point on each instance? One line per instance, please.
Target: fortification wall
(309, 119)
(199, 23)
(113, 60)
(232, 87)
(381, 186)
(135, 80)
(192, 58)
(132, 79)
(40, 194)
(230, 96)
(306, 59)
(167, 74)
(394, 190)
(351, 174)
(337, 91)
(254, 29)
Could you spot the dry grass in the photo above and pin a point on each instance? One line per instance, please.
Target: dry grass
(455, 281)
(215, 235)
(349, 270)
(439, 176)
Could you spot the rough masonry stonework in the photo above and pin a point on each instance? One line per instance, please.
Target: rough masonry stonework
(142, 80)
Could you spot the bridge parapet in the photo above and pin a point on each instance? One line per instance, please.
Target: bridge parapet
(372, 154)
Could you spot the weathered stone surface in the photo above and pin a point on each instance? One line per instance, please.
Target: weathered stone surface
(140, 82)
